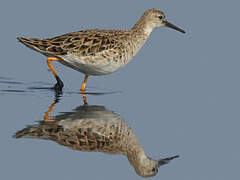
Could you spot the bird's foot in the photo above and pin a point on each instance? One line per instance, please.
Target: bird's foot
(59, 85)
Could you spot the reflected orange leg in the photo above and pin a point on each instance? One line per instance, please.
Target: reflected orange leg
(46, 117)
(83, 87)
(84, 99)
(59, 85)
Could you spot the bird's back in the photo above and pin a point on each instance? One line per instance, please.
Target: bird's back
(84, 43)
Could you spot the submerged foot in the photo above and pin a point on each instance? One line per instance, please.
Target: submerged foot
(59, 85)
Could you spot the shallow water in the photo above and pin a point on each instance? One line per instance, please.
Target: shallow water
(33, 103)
(192, 139)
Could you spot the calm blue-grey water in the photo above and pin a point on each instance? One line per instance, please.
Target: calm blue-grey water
(180, 94)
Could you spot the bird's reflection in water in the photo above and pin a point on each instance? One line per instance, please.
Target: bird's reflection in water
(94, 128)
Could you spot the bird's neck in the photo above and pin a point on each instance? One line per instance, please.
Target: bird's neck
(143, 27)
(140, 33)
(136, 156)
(136, 38)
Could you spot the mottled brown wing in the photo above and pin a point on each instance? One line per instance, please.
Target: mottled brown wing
(84, 43)
(85, 139)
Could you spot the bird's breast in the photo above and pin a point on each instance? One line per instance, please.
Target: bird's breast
(91, 65)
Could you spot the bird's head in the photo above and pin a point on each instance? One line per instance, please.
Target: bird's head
(155, 18)
(149, 167)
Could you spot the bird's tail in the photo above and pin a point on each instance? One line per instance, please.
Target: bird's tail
(39, 45)
(39, 132)
(28, 132)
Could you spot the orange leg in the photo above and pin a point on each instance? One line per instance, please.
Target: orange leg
(50, 109)
(46, 117)
(49, 59)
(59, 85)
(83, 87)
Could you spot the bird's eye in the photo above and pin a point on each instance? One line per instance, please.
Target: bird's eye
(160, 17)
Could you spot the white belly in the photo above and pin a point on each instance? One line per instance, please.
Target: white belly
(98, 67)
